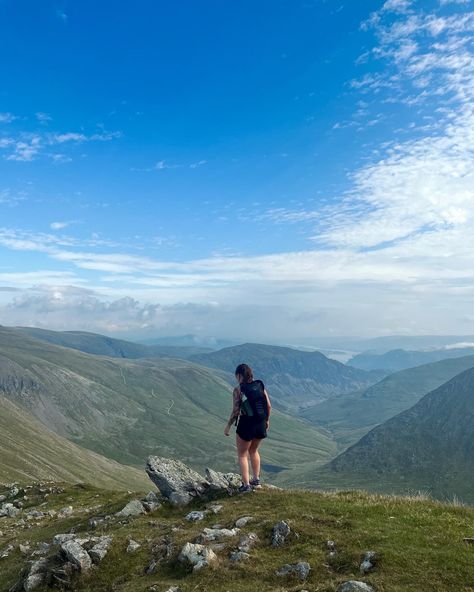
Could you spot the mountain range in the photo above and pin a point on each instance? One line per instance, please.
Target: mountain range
(400, 359)
(348, 417)
(128, 409)
(295, 379)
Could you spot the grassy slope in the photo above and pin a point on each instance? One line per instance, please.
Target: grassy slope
(349, 417)
(419, 543)
(428, 446)
(127, 410)
(29, 451)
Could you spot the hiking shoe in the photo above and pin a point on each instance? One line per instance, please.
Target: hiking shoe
(245, 488)
(255, 483)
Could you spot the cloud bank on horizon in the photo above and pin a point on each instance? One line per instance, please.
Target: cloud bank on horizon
(344, 208)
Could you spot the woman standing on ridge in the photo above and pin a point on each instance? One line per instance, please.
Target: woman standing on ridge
(252, 409)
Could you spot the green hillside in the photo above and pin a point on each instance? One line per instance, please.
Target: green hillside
(349, 417)
(419, 543)
(428, 447)
(93, 343)
(295, 379)
(28, 451)
(127, 410)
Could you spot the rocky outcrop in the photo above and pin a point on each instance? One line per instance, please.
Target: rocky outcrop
(181, 485)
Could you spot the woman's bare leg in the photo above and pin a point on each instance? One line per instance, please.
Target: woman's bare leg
(243, 455)
(255, 457)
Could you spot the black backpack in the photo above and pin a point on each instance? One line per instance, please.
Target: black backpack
(253, 400)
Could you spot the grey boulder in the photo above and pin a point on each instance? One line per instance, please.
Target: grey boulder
(76, 555)
(280, 532)
(177, 482)
(198, 556)
(133, 508)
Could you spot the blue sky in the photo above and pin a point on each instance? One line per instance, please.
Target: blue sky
(273, 170)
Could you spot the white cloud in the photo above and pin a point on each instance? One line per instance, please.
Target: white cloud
(60, 225)
(43, 117)
(7, 117)
(7, 197)
(25, 150)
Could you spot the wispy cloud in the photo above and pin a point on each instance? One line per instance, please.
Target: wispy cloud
(7, 197)
(29, 146)
(7, 117)
(61, 225)
(43, 117)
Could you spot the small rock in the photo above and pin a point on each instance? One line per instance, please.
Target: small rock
(132, 546)
(469, 540)
(247, 541)
(330, 545)
(95, 522)
(76, 555)
(42, 549)
(152, 497)
(9, 510)
(133, 508)
(33, 581)
(368, 562)
(25, 549)
(59, 539)
(6, 552)
(209, 535)
(198, 556)
(100, 548)
(215, 508)
(34, 514)
(64, 512)
(174, 589)
(354, 586)
(151, 569)
(280, 532)
(151, 506)
(195, 516)
(237, 556)
(241, 522)
(301, 569)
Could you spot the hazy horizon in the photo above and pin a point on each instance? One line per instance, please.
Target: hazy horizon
(270, 172)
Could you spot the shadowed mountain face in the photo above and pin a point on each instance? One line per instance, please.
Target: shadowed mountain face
(129, 409)
(400, 359)
(429, 446)
(93, 343)
(349, 417)
(295, 379)
(29, 451)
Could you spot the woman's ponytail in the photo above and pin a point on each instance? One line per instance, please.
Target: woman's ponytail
(245, 371)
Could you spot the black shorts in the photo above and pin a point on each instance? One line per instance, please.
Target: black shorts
(248, 428)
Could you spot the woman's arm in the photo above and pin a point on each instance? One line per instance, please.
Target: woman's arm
(269, 407)
(235, 410)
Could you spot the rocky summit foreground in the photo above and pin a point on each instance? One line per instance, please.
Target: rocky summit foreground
(82, 538)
